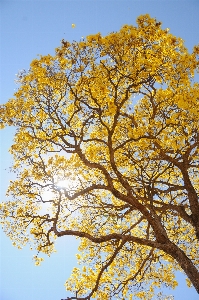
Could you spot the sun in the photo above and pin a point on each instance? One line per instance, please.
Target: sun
(70, 183)
(65, 184)
(51, 193)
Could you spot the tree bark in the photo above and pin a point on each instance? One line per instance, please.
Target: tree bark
(186, 264)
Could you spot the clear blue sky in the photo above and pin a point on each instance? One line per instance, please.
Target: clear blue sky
(36, 27)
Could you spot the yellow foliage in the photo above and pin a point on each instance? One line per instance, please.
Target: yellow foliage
(106, 149)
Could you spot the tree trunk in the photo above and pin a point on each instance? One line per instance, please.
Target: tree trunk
(185, 263)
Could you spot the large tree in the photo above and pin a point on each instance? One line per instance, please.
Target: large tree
(106, 149)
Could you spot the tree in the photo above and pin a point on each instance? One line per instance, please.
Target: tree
(106, 149)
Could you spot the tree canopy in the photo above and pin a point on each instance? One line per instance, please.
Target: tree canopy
(106, 149)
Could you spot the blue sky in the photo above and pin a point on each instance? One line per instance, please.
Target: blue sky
(29, 28)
